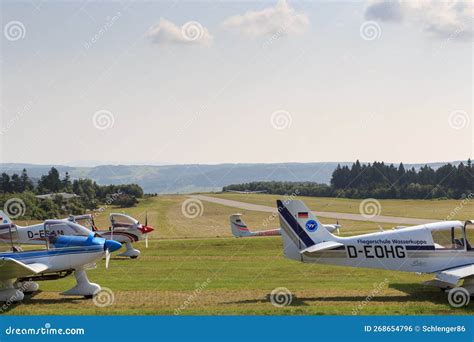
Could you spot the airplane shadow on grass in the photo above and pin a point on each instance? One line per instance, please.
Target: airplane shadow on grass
(30, 299)
(414, 293)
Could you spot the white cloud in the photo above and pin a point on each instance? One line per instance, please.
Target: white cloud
(167, 32)
(447, 19)
(281, 19)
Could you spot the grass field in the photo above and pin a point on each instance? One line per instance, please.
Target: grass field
(429, 209)
(193, 266)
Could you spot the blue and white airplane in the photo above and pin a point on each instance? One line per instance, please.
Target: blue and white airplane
(123, 228)
(59, 257)
(440, 248)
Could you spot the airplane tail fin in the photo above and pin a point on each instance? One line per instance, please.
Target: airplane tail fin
(300, 228)
(238, 226)
(4, 218)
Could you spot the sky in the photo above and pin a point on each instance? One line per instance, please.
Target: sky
(168, 82)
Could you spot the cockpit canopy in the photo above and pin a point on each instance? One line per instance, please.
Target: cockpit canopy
(123, 221)
(452, 235)
(8, 237)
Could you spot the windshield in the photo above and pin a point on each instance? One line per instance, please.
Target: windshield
(8, 237)
(85, 222)
(469, 229)
(453, 238)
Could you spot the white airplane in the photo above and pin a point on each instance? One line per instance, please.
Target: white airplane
(419, 249)
(35, 234)
(123, 228)
(59, 257)
(240, 229)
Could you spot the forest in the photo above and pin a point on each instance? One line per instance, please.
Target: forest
(21, 192)
(379, 180)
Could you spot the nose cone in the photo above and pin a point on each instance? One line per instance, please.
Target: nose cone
(146, 229)
(112, 245)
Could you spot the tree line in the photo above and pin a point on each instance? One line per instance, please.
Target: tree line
(90, 195)
(379, 180)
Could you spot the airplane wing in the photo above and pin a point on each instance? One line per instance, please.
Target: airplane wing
(451, 276)
(12, 269)
(320, 247)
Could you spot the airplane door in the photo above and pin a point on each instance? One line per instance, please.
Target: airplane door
(468, 235)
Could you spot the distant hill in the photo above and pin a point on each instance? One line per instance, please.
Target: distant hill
(168, 179)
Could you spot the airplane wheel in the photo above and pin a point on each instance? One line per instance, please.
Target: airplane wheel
(458, 297)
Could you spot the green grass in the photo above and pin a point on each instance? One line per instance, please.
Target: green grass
(237, 275)
(429, 209)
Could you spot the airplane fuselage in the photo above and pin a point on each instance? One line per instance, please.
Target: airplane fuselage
(411, 249)
(59, 259)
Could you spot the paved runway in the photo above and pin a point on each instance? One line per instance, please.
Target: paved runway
(341, 216)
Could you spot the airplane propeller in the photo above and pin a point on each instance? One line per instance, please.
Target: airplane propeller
(107, 259)
(110, 246)
(337, 225)
(146, 225)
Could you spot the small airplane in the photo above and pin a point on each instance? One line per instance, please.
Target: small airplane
(240, 229)
(420, 249)
(61, 256)
(247, 192)
(124, 229)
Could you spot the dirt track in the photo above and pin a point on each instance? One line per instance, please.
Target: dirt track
(341, 216)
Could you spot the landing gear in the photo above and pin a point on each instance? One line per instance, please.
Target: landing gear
(130, 252)
(83, 287)
(9, 294)
(27, 287)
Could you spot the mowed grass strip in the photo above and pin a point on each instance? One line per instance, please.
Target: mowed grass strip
(236, 276)
(429, 209)
(239, 274)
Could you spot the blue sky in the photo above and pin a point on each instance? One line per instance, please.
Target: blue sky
(214, 82)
